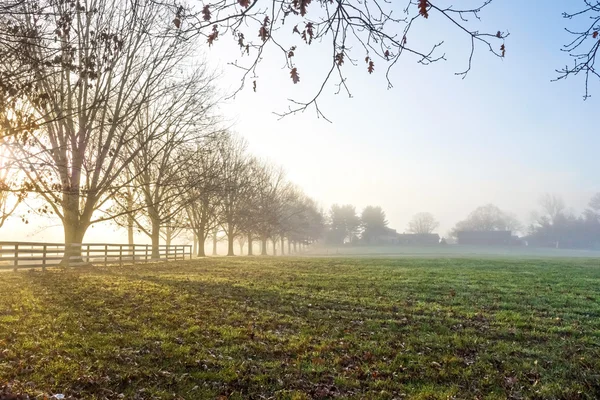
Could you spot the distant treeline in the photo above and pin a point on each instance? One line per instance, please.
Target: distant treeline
(551, 226)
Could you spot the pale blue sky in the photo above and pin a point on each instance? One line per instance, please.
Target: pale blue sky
(436, 142)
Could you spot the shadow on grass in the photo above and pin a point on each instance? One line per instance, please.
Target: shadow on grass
(145, 328)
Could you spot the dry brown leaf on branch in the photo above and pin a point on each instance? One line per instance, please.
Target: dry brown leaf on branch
(213, 36)
(295, 76)
(206, 13)
(301, 5)
(423, 8)
(308, 33)
(263, 32)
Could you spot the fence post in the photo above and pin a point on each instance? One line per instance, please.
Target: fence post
(105, 255)
(16, 262)
(120, 254)
(44, 258)
(87, 253)
(132, 251)
(146, 253)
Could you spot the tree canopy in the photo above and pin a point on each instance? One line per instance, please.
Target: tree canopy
(373, 223)
(487, 218)
(422, 223)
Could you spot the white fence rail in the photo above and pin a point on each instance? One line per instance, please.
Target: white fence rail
(14, 255)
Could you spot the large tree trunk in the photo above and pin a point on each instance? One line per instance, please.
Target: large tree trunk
(200, 240)
(241, 248)
(130, 231)
(263, 250)
(130, 239)
(249, 244)
(74, 228)
(282, 246)
(230, 239)
(274, 247)
(289, 247)
(74, 233)
(195, 248)
(169, 235)
(155, 236)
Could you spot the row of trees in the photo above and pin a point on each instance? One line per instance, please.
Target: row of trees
(107, 114)
(553, 225)
(344, 225)
(217, 187)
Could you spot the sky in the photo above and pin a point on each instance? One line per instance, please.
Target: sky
(434, 142)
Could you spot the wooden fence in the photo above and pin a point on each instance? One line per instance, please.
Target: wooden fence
(14, 255)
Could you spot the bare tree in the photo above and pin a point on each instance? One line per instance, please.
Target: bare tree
(11, 191)
(583, 49)
(125, 206)
(173, 228)
(109, 62)
(487, 218)
(267, 202)
(203, 176)
(307, 225)
(378, 31)
(241, 239)
(423, 223)
(166, 129)
(235, 186)
(17, 78)
(553, 206)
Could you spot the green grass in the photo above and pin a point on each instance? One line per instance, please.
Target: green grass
(306, 328)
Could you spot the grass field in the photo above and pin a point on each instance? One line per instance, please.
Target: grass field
(306, 328)
(451, 251)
